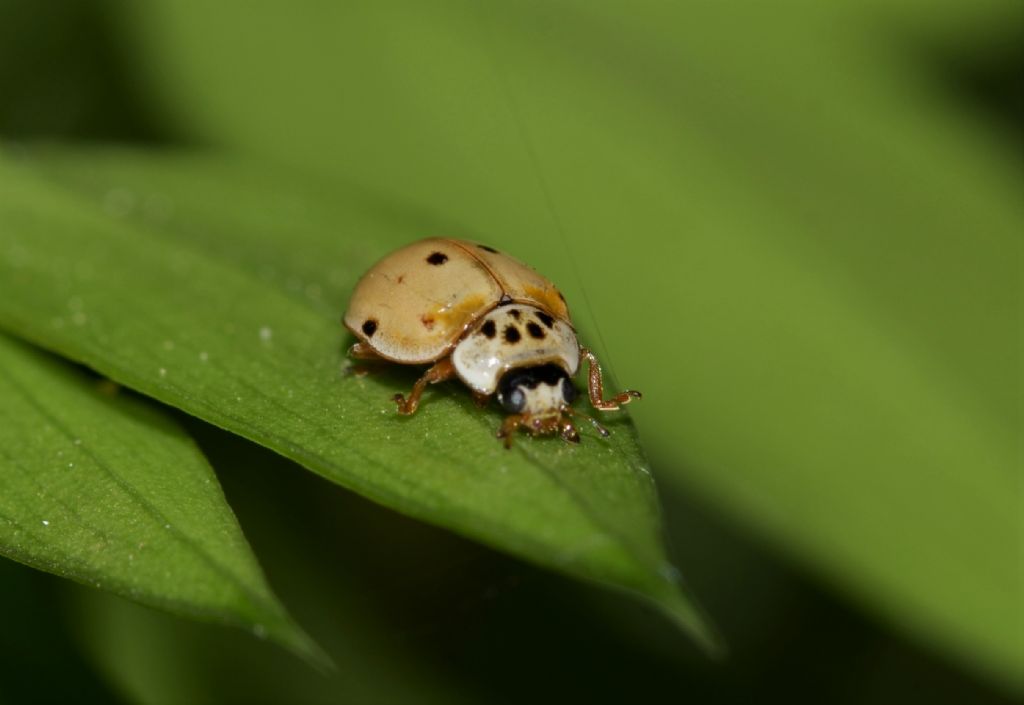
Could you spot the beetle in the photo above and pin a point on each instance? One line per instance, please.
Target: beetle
(477, 314)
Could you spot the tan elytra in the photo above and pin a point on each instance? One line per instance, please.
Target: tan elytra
(422, 298)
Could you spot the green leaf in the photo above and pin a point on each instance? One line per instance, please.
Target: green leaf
(825, 234)
(217, 288)
(103, 489)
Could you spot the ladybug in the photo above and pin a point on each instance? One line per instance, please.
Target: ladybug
(474, 313)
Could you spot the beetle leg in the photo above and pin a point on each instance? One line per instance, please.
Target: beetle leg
(568, 430)
(509, 426)
(482, 400)
(441, 371)
(362, 351)
(596, 387)
(597, 427)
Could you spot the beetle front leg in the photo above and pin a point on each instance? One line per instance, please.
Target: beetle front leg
(440, 372)
(596, 387)
(509, 426)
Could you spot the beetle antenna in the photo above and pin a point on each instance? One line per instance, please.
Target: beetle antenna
(491, 50)
(593, 422)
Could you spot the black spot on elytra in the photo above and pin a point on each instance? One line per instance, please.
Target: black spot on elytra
(437, 258)
(488, 249)
(546, 319)
(535, 331)
(489, 329)
(369, 327)
(512, 334)
(514, 312)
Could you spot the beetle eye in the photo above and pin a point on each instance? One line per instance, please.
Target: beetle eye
(569, 391)
(514, 401)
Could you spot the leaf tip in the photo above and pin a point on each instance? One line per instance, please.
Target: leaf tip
(672, 601)
(289, 635)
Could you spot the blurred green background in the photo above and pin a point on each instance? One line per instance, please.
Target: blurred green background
(797, 228)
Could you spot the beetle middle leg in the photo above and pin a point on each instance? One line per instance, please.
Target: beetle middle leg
(441, 371)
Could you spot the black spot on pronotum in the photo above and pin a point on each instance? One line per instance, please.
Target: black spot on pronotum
(546, 319)
(512, 334)
(369, 327)
(505, 300)
(488, 329)
(485, 248)
(535, 330)
(514, 312)
(437, 258)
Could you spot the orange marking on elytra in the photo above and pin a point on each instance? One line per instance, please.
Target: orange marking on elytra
(461, 314)
(551, 299)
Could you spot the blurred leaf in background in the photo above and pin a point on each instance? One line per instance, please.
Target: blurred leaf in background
(64, 75)
(796, 228)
